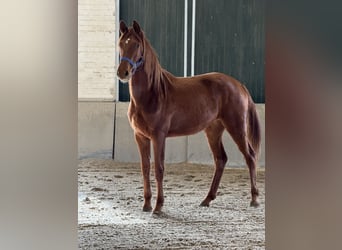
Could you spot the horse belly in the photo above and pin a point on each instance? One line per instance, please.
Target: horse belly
(191, 123)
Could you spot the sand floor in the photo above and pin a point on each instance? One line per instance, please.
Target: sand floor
(110, 216)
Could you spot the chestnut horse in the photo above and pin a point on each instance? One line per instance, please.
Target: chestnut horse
(163, 105)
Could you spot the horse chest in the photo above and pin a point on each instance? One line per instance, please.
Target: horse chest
(139, 122)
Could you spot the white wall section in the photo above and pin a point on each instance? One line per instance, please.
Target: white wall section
(96, 50)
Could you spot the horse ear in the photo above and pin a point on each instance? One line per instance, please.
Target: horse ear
(123, 27)
(136, 27)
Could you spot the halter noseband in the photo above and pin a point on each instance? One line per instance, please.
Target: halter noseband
(134, 65)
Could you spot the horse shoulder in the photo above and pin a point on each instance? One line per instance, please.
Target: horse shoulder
(145, 122)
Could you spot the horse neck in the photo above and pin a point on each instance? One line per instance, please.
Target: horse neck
(150, 84)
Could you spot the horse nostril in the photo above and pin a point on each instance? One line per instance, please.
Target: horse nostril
(126, 73)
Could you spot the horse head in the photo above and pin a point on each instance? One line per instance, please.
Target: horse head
(131, 46)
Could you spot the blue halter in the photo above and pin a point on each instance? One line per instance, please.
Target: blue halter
(134, 65)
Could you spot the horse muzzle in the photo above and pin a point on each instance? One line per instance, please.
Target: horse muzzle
(124, 72)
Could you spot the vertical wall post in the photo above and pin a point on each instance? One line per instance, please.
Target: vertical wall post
(117, 34)
(185, 38)
(193, 25)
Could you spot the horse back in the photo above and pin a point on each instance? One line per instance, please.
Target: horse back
(213, 90)
(197, 101)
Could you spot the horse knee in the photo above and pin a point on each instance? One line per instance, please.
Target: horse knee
(159, 172)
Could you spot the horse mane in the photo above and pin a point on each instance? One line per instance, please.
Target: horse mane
(158, 78)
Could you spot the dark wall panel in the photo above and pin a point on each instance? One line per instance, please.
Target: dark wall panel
(163, 24)
(230, 39)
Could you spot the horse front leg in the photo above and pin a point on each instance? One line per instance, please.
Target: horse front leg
(159, 153)
(144, 146)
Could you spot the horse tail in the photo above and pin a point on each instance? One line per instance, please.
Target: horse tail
(254, 132)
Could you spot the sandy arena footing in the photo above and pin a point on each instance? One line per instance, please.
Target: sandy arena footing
(110, 215)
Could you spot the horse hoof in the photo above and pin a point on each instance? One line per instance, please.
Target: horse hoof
(147, 209)
(204, 204)
(157, 212)
(254, 204)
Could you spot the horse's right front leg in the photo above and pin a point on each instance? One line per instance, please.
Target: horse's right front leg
(145, 153)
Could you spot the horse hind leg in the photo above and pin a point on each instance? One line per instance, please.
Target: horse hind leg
(239, 135)
(214, 136)
(251, 162)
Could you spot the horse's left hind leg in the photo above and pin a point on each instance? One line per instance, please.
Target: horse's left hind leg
(214, 136)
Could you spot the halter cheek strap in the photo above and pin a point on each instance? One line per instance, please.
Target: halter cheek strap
(134, 65)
